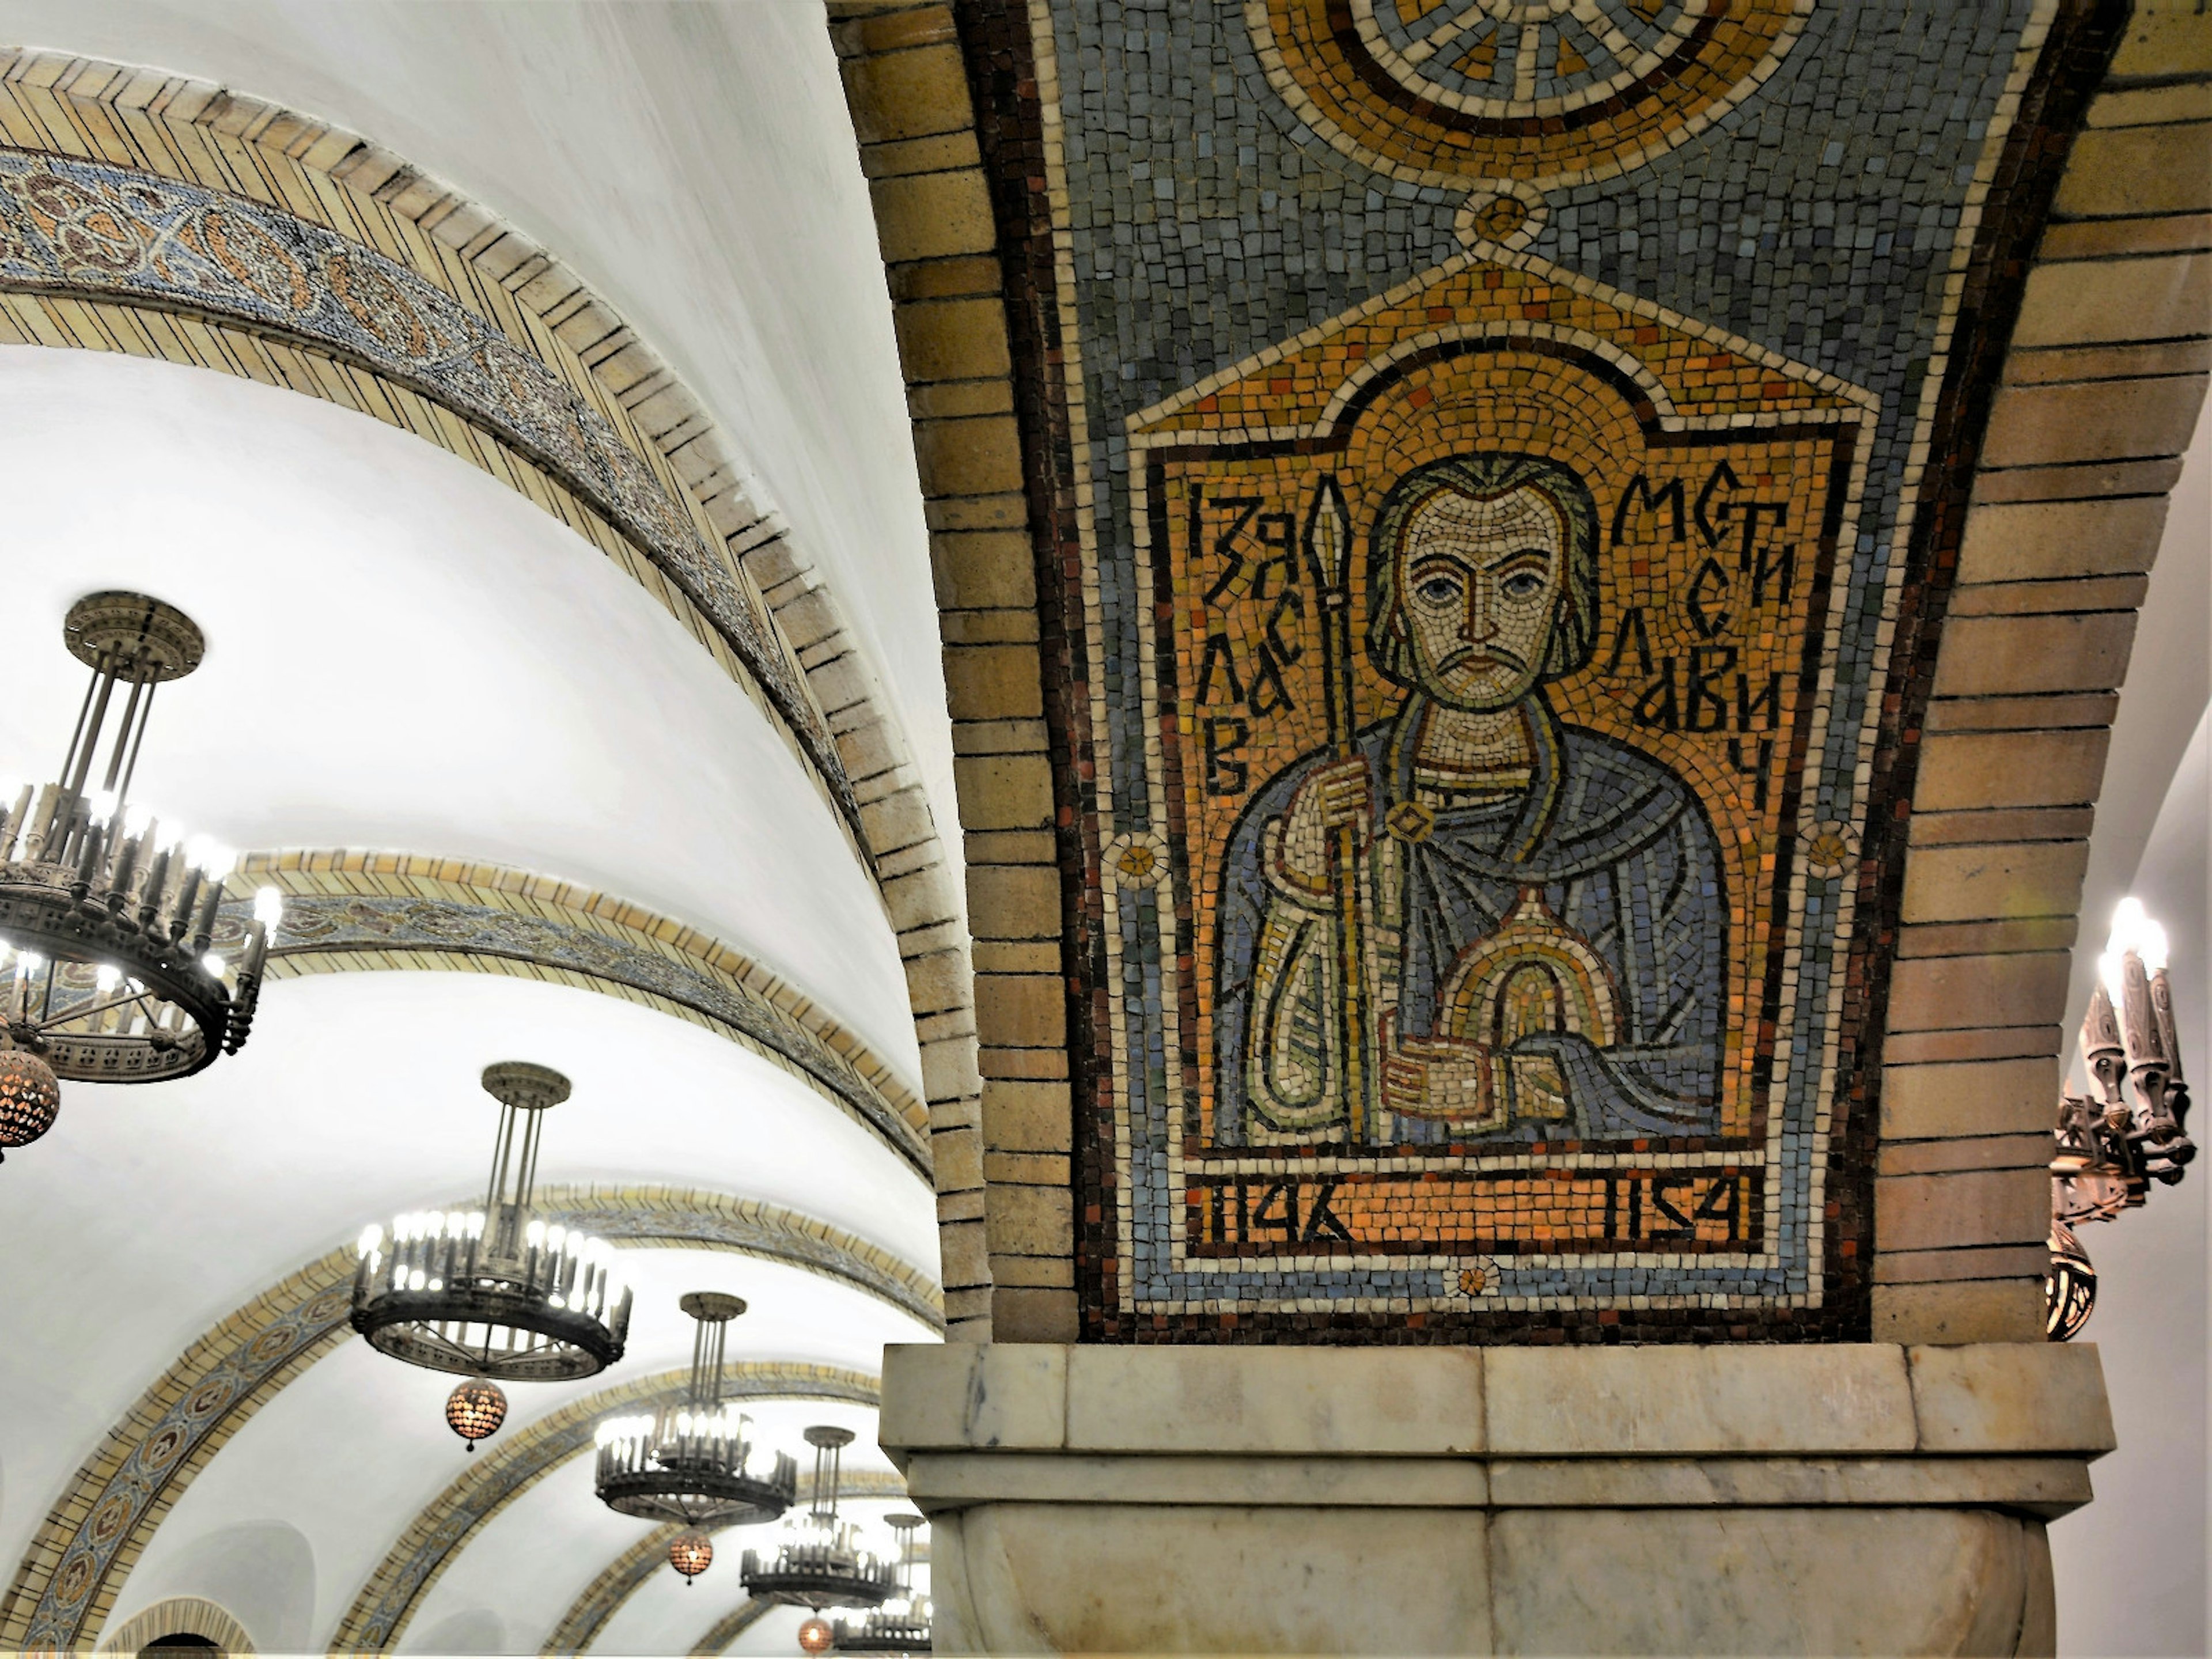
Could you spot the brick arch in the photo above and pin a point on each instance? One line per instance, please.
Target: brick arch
(593, 427)
(68, 1580)
(2070, 409)
(180, 1615)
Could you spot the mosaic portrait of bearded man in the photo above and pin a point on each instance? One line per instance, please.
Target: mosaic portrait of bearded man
(1522, 923)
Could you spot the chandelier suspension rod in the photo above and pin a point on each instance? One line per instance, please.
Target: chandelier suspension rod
(137, 740)
(122, 735)
(502, 1149)
(526, 1186)
(708, 1336)
(831, 1456)
(76, 737)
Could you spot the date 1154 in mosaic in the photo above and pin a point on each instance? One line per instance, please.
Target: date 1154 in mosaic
(1707, 1209)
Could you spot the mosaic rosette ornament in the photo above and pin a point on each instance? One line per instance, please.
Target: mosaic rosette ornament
(1552, 92)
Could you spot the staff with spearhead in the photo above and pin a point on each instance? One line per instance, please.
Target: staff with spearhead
(1328, 560)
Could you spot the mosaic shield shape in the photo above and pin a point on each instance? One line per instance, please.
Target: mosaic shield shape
(1494, 631)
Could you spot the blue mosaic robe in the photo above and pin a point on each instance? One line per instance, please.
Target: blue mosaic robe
(1623, 855)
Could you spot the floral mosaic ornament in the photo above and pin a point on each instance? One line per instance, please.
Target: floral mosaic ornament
(1546, 92)
(87, 227)
(1495, 655)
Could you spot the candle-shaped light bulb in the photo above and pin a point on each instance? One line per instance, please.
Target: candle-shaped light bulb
(204, 928)
(2112, 979)
(2101, 1050)
(2131, 932)
(107, 976)
(268, 907)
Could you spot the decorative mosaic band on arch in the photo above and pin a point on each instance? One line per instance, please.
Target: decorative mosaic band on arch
(348, 911)
(68, 1578)
(623, 1577)
(678, 1218)
(72, 226)
(730, 1626)
(435, 1538)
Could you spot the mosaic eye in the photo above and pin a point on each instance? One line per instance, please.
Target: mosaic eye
(1522, 584)
(1438, 589)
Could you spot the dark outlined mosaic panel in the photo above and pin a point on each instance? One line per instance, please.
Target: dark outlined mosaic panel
(1524, 1036)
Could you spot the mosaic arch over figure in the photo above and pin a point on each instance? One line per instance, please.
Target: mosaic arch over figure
(1519, 924)
(1487, 693)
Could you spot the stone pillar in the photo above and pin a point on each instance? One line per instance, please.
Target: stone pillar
(1730, 1499)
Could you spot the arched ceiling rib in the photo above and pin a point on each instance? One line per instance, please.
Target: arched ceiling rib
(730, 1626)
(707, 186)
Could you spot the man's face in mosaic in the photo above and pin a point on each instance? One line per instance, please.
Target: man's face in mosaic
(1479, 592)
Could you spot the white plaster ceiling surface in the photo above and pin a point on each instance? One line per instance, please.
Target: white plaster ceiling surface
(694, 163)
(404, 654)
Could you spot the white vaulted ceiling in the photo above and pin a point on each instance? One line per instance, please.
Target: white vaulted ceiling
(696, 164)
(405, 655)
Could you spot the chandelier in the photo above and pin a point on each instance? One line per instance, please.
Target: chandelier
(107, 916)
(694, 1463)
(496, 1293)
(2132, 1133)
(820, 1564)
(902, 1624)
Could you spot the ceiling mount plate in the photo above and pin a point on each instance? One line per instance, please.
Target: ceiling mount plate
(112, 627)
(530, 1088)
(712, 1306)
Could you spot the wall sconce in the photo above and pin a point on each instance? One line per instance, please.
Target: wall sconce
(2112, 1147)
